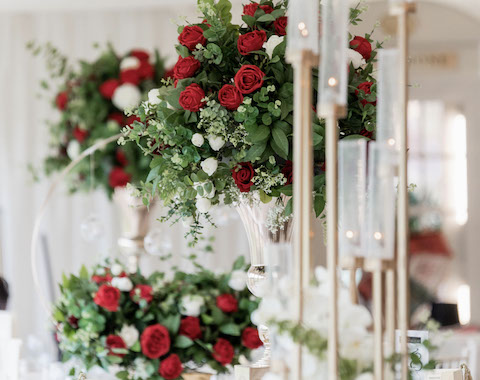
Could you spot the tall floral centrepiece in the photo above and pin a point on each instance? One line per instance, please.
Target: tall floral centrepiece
(221, 130)
(156, 328)
(92, 97)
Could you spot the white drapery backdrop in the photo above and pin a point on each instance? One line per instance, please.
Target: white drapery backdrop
(23, 140)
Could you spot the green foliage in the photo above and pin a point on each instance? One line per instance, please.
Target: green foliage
(259, 131)
(83, 326)
(89, 111)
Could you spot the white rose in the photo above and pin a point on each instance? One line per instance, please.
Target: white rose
(153, 96)
(238, 280)
(191, 305)
(355, 58)
(73, 149)
(209, 165)
(140, 366)
(203, 205)
(216, 142)
(271, 44)
(129, 334)
(129, 63)
(122, 283)
(116, 269)
(198, 140)
(126, 96)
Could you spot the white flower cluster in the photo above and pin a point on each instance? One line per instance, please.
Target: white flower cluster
(276, 218)
(265, 181)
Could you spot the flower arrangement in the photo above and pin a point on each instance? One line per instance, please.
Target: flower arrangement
(141, 328)
(222, 129)
(92, 97)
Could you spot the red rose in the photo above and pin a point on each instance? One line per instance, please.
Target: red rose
(73, 321)
(230, 97)
(366, 133)
(250, 338)
(141, 55)
(242, 175)
(223, 351)
(280, 25)
(121, 159)
(248, 79)
(130, 120)
(366, 88)
(142, 292)
(250, 9)
(171, 367)
(186, 67)
(362, 46)
(191, 36)
(169, 74)
(130, 76)
(155, 341)
(101, 279)
(108, 87)
(227, 303)
(287, 171)
(118, 177)
(146, 70)
(80, 134)
(107, 297)
(266, 8)
(116, 116)
(251, 41)
(191, 98)
(190, 327)
(61, 100)
(114, 341)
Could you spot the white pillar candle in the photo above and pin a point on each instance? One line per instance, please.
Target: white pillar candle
(352, 187)
(333, 64)
(302, 26)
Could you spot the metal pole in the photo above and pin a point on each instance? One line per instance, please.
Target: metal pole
(332, 237)
(377, 322)
(390, 320)
(402, 11)
(302, 184)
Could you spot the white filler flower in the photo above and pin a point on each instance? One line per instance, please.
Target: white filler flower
(238, 280)
(122, 283)
(216, 142)
(198, 140)
(129, 63)
(116, 269)
(126, 96)
(271, 44)
(355, 58)
(129, 334)
(209, 165)
(191, 305)
(153, 96)
(203, 205)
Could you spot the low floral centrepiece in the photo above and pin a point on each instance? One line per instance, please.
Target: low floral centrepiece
(140, 328)
(92, 97)
(222, 129)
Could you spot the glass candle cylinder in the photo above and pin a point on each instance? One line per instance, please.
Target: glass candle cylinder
(302, 26)
(352, 185)
(333, 63)
(381, 201)
(388, 105)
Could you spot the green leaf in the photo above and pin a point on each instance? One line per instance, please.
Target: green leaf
(264, 197)
(224, 7)
(136, 347)
(206, 319)
(281, 140)
(257, 133)
(255, 151)
(239, 263)
(318, 204)
(249, 20)
(266, 18)
(182, 50)
(183, 341)
(84, 272)
(172, 323)
(230, 329)
(289, 207)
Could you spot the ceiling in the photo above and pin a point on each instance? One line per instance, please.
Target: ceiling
(470, 7)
